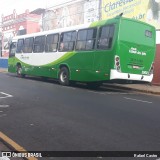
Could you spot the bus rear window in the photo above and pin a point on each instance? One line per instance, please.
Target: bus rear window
(148, 34)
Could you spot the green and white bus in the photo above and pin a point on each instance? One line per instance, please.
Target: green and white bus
(114, 49)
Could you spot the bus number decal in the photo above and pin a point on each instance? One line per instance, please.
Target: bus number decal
(145, 72)
(135, 51)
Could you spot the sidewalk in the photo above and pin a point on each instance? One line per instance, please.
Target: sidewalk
(146, 88)
(3, 70)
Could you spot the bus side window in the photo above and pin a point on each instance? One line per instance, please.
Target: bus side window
(12, 49)
(20, 46)
(86, 39)
(52, 43)
(39, 44)
(105, 37)
(67, 41)
(28, 44)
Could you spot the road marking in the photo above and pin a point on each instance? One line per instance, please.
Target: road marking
(68, 87)
(138, 100)
(14, 145)
(4, 106)
(6, 95)
(96, 92)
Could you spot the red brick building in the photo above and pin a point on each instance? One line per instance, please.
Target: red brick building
(15, 24)
(156, 77)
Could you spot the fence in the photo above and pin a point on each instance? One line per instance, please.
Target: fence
(3, 62)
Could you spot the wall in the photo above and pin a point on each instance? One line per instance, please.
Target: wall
(14, 24)
(32, 23)
(3, 62)
(156, 78)
(74, 13)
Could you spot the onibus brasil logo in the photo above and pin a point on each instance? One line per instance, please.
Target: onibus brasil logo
(7, 155)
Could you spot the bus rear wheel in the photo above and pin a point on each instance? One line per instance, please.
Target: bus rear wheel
(64, 76)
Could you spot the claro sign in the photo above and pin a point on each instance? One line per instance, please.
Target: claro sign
(114, 5)
(143, 10)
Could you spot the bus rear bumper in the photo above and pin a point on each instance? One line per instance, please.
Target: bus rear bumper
(127, 76)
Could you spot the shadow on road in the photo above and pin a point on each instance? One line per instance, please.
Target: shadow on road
(106, 87)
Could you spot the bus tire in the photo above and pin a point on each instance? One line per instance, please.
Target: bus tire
(19, 71)
(64, 76)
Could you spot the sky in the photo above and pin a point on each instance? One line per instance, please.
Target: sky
(7, 6)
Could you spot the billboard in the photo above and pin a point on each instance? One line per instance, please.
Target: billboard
(65, 16)
(143, 10)
(91, 11)
(70, 14)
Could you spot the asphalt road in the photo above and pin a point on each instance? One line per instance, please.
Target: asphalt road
(44, 116)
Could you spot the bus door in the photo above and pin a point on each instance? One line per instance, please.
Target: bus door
(12, 49)
(104, 53)
(85, 52)
(11, 60)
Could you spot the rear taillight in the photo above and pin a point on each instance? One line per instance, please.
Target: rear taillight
(151, 69)
(117, 63)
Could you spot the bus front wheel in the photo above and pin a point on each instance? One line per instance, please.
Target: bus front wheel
(19, 71)
(64, 76)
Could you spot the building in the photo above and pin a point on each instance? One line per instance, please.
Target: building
(70, 14)
(156, 78)
(15, 24)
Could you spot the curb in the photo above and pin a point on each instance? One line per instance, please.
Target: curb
(131, 89)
